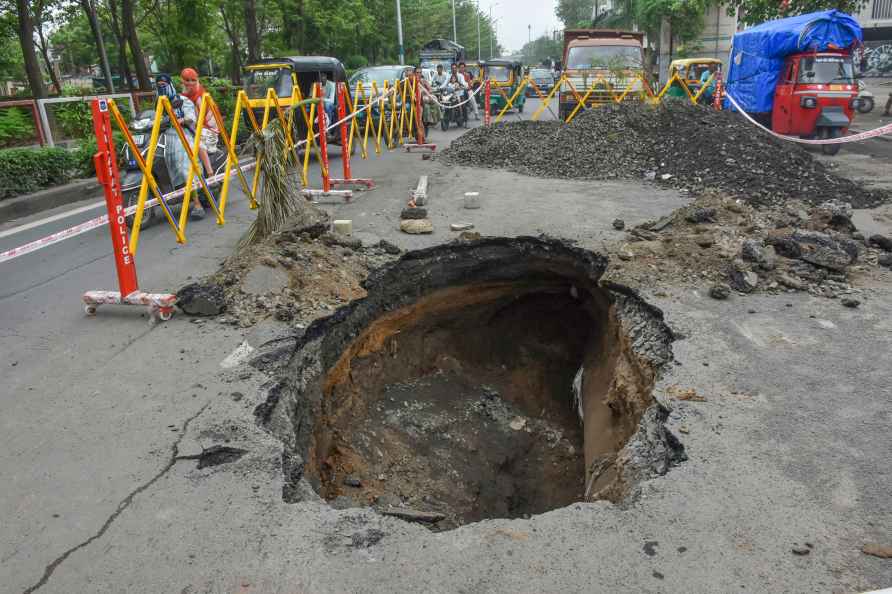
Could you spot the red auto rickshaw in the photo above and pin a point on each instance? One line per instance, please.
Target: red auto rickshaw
(816, 96)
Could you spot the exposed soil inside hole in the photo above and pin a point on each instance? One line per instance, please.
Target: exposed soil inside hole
(468, 412)
(495, 379)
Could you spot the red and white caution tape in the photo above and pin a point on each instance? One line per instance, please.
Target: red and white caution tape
(882, 130)
(471, 95)
(97, 222)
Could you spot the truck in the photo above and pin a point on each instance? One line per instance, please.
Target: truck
(441, 51)
(614, 56)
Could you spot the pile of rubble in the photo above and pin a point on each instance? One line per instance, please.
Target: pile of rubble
(685, 146)
(294, 276)
(728, 245)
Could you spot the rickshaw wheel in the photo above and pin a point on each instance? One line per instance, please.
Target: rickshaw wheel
(827, 133)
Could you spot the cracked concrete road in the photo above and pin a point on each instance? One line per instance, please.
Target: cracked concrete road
(791, 445)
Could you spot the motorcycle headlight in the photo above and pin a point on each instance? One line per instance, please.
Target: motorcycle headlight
(809, 102)
(142, 124)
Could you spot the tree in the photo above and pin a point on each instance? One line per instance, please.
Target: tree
(90, 11)
(753, 12)
(251, 30)
(575, 13)
(231, 21)
(26, 39)
(113, 15)
(40, 18)
(139, 60)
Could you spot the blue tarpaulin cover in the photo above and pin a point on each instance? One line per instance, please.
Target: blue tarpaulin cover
(757, 54)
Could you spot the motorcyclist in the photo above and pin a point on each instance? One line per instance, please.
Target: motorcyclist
(461, 84)
(440, 78)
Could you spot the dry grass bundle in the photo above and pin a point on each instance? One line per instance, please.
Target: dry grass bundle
(277, 196)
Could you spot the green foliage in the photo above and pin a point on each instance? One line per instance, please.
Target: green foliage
(759, 11)
(27, 170)
(12, 63)
(355, 62)
(541, 49)
(15, 126)
(575, 13)
(74, 118)
(82, 156)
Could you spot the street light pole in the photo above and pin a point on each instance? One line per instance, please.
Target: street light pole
(454, 29)
(399, 32)
(478, 30)
(491, 29)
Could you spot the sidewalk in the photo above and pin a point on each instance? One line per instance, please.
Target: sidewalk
(29, 204)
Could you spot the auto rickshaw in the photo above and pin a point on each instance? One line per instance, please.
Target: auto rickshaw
(505, 76)
(281, 75)
(816, 95)
(797, 75)
(690, 70)
(476, 70)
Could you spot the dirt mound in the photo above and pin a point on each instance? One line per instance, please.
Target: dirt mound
(682, 145)
(720, 240)
(296, 275)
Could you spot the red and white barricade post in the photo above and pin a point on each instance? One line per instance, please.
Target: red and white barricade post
(321, 125)
(346, 145)
(719, 91)
(160, 305)
(487, 118)
(419, 121)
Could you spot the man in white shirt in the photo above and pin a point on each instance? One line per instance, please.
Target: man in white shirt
(440, 78)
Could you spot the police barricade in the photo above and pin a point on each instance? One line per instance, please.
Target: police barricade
(600, 91)
(401, 120)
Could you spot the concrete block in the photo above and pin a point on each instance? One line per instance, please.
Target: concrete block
(343, 226)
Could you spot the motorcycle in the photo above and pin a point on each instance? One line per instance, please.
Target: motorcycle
(131, 174)
(865, 102)
(450, 98)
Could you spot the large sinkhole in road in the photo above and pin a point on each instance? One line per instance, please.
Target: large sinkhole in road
(493, 379)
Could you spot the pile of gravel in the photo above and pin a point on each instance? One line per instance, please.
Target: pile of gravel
(685, 146)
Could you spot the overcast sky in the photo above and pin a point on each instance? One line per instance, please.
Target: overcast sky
(516, 15)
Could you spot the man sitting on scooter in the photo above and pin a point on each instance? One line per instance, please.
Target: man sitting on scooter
(440, 78)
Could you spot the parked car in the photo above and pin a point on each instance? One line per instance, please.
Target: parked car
(543, 79)
(378, 75)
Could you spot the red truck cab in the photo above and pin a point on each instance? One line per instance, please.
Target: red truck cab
(816, 96)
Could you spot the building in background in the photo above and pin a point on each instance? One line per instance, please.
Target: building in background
(714, 42)
(876, 22)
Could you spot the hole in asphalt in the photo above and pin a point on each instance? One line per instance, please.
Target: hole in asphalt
(491, 380)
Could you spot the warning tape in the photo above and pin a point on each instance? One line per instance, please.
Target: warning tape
(94, 223)
(887, 129)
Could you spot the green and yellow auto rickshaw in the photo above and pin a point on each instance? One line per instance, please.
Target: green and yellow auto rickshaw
(505, 76)
(689, 69)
